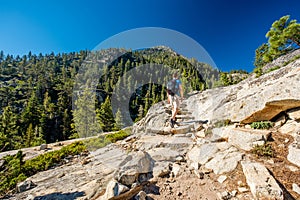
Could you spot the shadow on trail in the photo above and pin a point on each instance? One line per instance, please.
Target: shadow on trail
(60, 196)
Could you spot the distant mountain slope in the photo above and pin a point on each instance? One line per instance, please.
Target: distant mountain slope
(36, 90)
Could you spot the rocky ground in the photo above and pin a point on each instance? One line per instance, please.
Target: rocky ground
(210, 154)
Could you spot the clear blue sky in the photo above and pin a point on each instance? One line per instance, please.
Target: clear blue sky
(229, 30)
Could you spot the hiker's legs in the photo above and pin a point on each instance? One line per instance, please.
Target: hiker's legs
(175, 106)
(174, 113)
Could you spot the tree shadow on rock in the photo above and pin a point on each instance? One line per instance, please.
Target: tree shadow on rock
(60, 196)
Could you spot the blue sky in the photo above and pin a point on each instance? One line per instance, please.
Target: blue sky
(229, 30)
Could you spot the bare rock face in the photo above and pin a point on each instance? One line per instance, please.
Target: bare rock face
(251, 100)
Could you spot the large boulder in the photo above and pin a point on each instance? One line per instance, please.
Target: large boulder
(155, 119)
(260, 181)
(272, 109)
(225, 161)
(294, 151)
(203, 153)
(137, 167)
(241, 138)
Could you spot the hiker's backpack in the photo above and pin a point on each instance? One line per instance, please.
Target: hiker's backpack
(172, 87)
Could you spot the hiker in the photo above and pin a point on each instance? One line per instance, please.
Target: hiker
(174, 90)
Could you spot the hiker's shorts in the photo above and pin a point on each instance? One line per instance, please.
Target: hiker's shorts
(175, 102)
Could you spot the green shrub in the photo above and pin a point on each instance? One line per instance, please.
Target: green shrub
(262, 125)
(264, 150)
(103, 140)
(222, 123)
(273, 69)
(258, 71)
(96, 143)
(120, 135)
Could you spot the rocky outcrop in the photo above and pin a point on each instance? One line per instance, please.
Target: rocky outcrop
(271, 110)
(251, 100)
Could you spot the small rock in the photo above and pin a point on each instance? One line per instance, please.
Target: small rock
(200, 134)
(233, 193)
(179, 193)
(43, 147)
(240, 183)
(122, 188)
(258, 143)
(296, 188)
(141, 196)
(205, 170)
(270, 161)
(286, 140)
(292, 168)
(200, 175)
(161, 169)
(242, 189)
(60, 175)
(179, 159)
(248, 126)
(224, 195)
(195, 165)
(181, 135)
(222, 178)
(30, 197)
(175, 169)
(25, 185)
(167, 130)
(85, 161)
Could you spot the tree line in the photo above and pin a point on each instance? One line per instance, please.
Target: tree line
(36, 94)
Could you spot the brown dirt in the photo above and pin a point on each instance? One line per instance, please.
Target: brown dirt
(278, 166)
(188, 186)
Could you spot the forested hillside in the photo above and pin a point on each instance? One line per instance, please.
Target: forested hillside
(36, 91)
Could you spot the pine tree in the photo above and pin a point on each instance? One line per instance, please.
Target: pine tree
(118, 121)
(147, 102)
(140, 113)
(84, 115)
(9, 138)
(29, 136)
(283, 37)
(105, 116)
